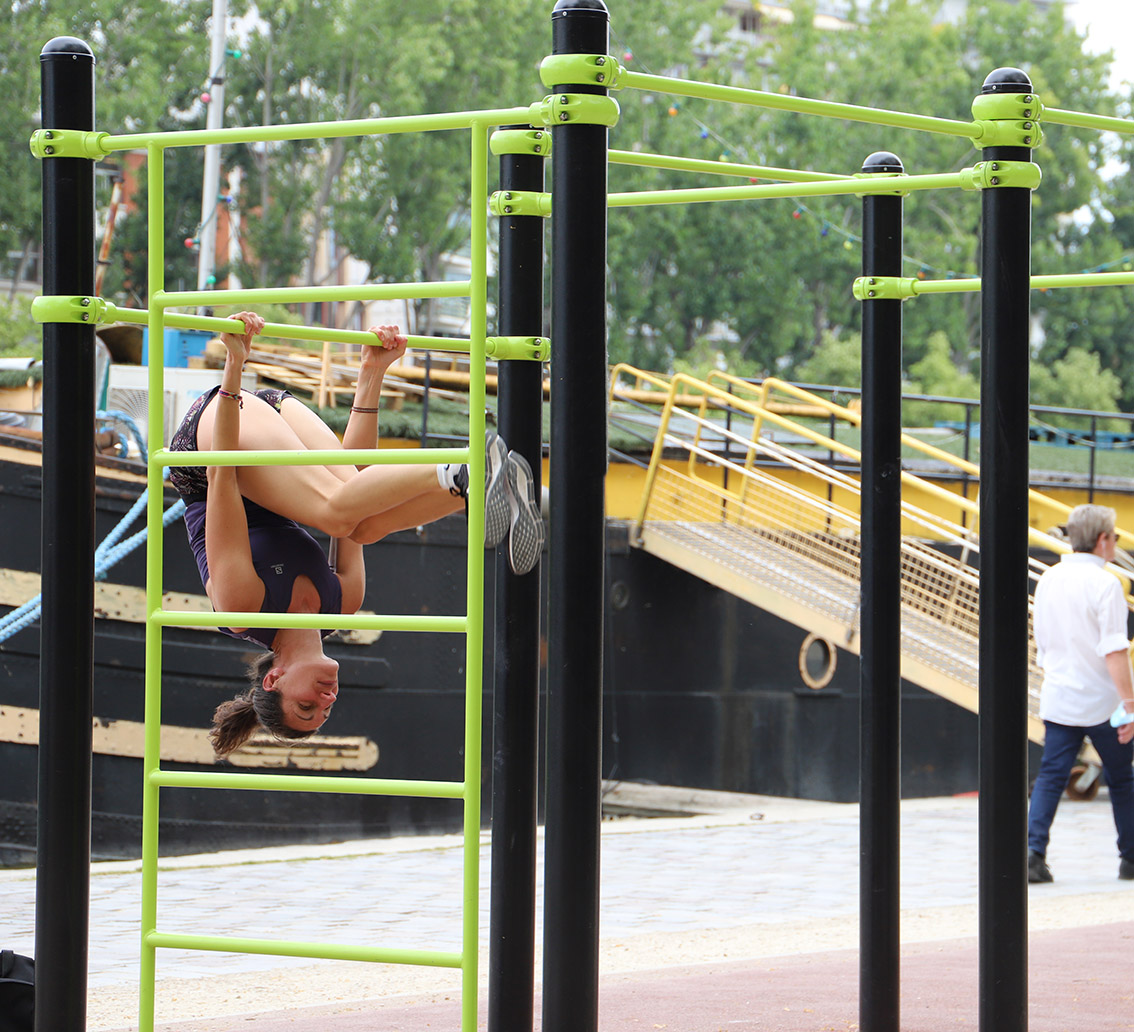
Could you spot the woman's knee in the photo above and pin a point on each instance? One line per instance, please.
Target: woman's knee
(370, 530)
(332, 522)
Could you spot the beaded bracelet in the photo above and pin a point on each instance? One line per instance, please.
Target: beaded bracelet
(359, 408)
(228, 394)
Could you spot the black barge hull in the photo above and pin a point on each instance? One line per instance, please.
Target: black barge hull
(701, 690)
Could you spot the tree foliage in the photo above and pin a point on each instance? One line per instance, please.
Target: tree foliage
(757, 287)
(771, 282)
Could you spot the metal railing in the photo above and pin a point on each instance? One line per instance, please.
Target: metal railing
(733, 504)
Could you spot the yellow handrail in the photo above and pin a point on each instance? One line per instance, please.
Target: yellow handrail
(682, 385)
(1037, 499)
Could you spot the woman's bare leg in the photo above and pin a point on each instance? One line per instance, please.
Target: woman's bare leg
(313, 432)
(416, 513)
(314, 495)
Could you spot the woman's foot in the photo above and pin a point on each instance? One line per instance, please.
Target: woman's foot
(496, 509)
(497, 514)
(525, 533)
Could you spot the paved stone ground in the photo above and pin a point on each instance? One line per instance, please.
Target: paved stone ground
(753, 912)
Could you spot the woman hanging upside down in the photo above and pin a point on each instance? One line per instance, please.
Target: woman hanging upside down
(253, 557)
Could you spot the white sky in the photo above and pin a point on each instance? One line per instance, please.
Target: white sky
(1110, 26)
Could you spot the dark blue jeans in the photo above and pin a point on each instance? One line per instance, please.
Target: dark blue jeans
(1061, 746)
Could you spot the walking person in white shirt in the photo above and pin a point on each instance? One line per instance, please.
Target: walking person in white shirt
(1080, 624)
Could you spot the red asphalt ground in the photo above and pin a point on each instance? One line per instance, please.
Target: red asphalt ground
(1080, 980)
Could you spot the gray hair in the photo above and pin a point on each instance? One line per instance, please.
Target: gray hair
(1086, 522)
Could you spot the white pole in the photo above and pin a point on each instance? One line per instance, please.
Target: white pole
(206, 261)
(235, 179)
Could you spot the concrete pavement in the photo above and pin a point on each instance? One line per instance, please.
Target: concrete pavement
(746, 919)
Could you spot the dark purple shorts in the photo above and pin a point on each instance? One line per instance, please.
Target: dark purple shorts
(190, 481)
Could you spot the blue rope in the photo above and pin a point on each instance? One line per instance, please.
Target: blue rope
(106, 555)
(114, 416)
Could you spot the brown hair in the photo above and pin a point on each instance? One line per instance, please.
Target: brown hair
(236, 720)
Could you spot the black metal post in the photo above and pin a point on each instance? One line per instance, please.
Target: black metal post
(577, 544)
(515, 700)
(965, 456)
(1094, 446)
(425, 400)
(1003, 650)
(63, 845)
(880, 677)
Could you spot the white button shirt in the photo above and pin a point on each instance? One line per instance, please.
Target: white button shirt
(1079, 618)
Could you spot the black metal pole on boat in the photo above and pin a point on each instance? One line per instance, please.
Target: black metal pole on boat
(63, 843)
(577, 541)
(880, 676)
(515, 698)
(1091, 453)
(1003, 649)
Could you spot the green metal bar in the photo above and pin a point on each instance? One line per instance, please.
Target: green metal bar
(342, 621)
(319, 130)
(472, 624)
(284, 331)
(720, 168)
(1055, 282)
(497, 347)
(314, 457)
(155, 500)
(828, 188)
(306, 783)
(1083, 279)
(1082, 120)
(802, 105)
(288, 295)
(474, 641)
(318, 950)
(953, 286)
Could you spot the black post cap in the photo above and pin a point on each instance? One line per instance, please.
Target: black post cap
(1007, 80)
(65, 46)
(883, 161)
(584, 7)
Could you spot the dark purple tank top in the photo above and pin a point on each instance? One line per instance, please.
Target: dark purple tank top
(281, 551)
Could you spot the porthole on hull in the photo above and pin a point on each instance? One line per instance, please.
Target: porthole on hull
(818, 658)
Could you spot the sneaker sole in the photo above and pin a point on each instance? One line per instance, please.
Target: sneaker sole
(525, 537)
(497, 512)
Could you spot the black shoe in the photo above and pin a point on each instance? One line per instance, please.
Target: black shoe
(525, 534)
(1126, 869)
(460, 488)
(1038, 871)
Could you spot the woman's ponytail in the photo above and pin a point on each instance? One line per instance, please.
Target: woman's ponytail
(234, 722)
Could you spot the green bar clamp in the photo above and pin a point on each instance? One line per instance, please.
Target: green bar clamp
(537, 349)
(58, 308)
(988, 174)
(520, 141)
(580, 70)
(1008, 120)
(884, 288)
(68, 143)
(882, 175)
(575, 109)
(520, 202)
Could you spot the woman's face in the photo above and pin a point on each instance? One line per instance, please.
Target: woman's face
(307, 692)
